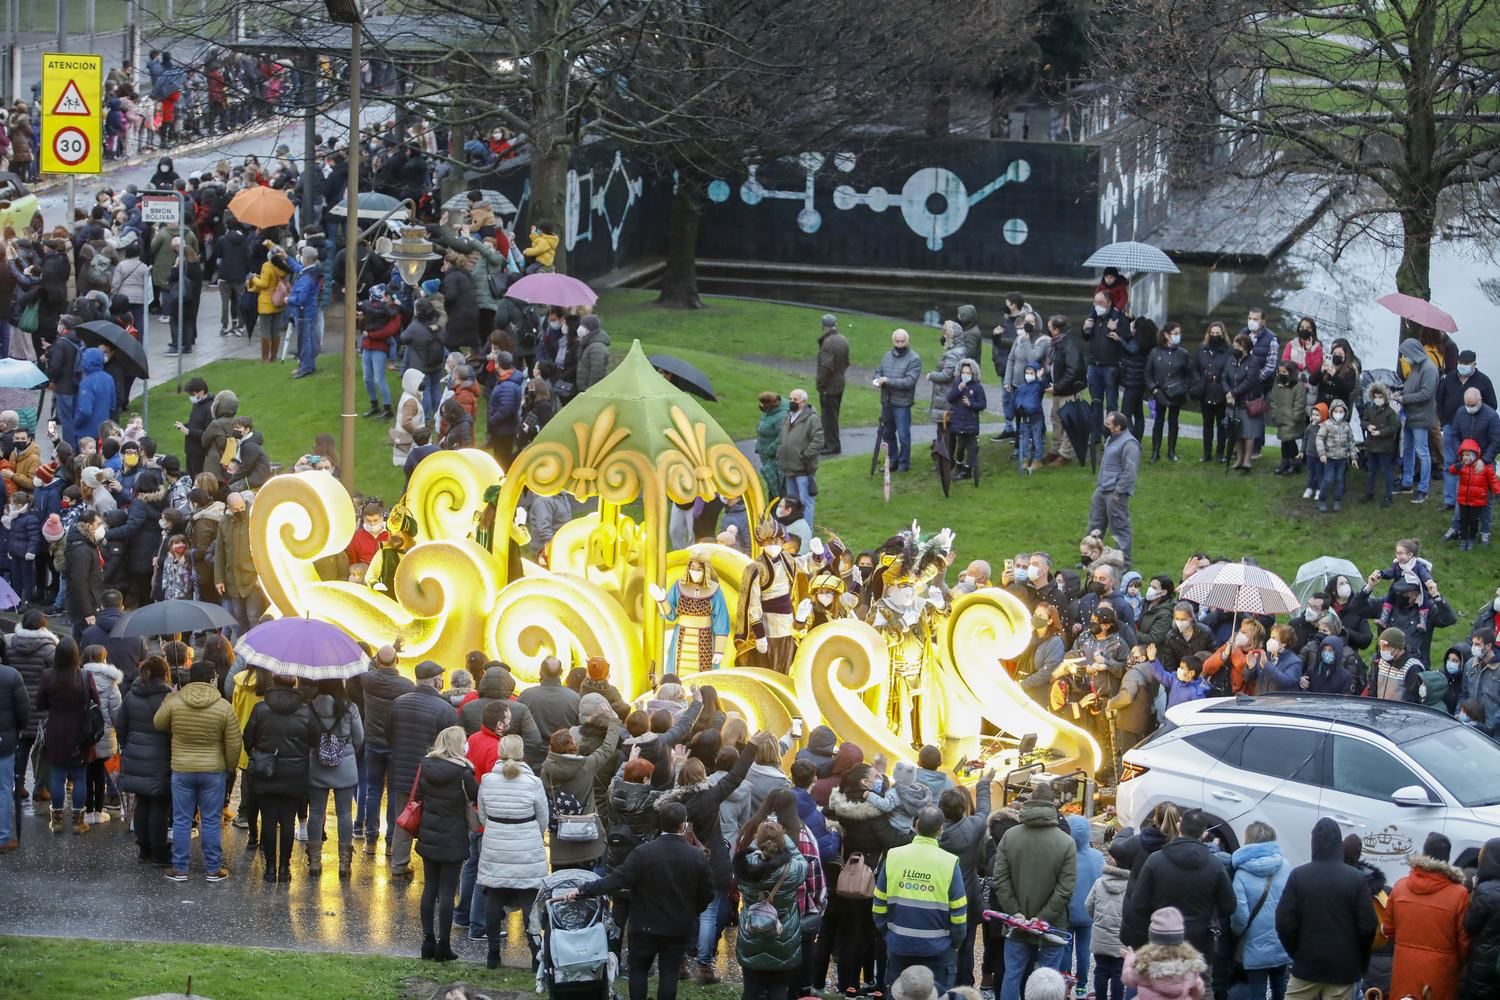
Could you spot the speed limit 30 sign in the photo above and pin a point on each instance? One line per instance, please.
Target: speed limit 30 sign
(72, 113)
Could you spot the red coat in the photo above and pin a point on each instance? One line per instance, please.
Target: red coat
(1425, 918)
(1475, 482)
(1119, 292)
(363, 546)
(483, 750)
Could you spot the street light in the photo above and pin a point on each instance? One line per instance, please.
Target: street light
(411, 254)
(349, 12)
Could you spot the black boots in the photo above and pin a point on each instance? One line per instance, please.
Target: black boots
(1155, 452)
(388, 414)
(492, 959)
(429, 947)
(444, 952)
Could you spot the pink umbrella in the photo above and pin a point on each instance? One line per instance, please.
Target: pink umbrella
(551, 290)
(1419, 311)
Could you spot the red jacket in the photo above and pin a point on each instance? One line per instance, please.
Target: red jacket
(1119, 292)
(382, 322)
(483, 750)
(1475, 482)
(363, 546)
(1425, 918)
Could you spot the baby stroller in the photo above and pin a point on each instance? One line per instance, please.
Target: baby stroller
(576, 942)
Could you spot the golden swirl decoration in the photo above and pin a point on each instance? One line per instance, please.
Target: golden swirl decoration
(685, 470)
(295, 521)
(567, 617)
(838, 665)
(597, 441)
(767, 699)
(446, 492)
(984, 628)
(736, 477)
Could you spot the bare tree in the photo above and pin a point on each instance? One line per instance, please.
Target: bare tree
(1396, 99)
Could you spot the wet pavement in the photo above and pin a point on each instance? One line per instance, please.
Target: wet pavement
(91, 886)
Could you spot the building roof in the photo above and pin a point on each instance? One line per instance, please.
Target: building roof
(384, 34)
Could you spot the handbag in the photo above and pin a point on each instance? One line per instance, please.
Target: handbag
(1255, 407)
(856, 880)
(31, 317)
(410, 820)
(471, 817)
(263, 763)
(1239, 946)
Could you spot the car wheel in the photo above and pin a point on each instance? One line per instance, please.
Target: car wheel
(1221, 829)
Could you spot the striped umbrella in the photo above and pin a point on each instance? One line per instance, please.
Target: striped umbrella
(303, 647)
(1241, 588)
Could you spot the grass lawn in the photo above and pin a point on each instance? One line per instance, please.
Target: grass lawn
(1178, 509)
(49, 968)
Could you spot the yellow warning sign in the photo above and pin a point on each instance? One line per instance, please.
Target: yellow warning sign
(72, 119)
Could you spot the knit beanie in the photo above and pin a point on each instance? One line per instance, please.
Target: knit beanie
(598, 668)
(1167, 926)
(1321, 409)
(1395, 637)
(52, 529)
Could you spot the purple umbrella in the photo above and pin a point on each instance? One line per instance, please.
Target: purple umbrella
(8, 597)
(545, 289)
(303, 647)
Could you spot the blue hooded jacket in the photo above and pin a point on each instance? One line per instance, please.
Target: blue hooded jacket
(96, 395)
(830, 843)
(1090, 867)
(1253, 865)
(306, 292)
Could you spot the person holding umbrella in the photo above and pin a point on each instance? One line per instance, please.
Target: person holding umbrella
(280, 735)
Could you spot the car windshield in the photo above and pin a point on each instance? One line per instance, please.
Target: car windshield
(1464, 761)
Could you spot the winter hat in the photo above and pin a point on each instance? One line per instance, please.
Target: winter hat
(1467, 357)
(1045, 984)
(52, 529)
(1321, 409)
(430, 286)
(830, 320)
(905, 772)
(598, 668)
(590, 323)
(1042, 793)
(45, 473)
(1395, 637)
(915, 983)
(1167, 926)
(1438, 846)
(427, 669)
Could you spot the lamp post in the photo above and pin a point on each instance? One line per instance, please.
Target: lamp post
(348, 12)
(411, 254)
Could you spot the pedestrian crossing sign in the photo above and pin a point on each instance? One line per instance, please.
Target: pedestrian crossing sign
(72, 113)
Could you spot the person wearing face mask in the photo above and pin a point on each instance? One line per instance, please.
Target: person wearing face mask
(1336, 450)
(773, 414)
(1130, 584)
(1418, 396)
(1037, 667)
(966, 401)
(85, 570)
(1155, 625)
(1283, 668)
(1003, 342)
(1245, 656)
(1187, 637)
(1327, 669)
(235, 578)
(1210, 389)
(1288, 414)
(833, 362)
(1119, 465)
(1264, 352)
(251, 466)
(1397, 673)
(1105, 330)
(1454, 414)
(896, 377)
(824, 603)
(366, 542)
(797, 454)
(765, 607)
(1306, 351)
(1069, 379)
(1139, 337)
(1304, 623)
(1382, 433)
(695, 609)
(199, 417)
(1103, 651)
(1131, 708)
(1169, 374)
(141, 535)
(1030, 345)
(1246, 400)
(1481, 678)
(1031, 429)
(1474, 422)
(1353, 612)
(1453, 670)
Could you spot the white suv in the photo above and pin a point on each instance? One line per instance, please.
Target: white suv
(1390, 772)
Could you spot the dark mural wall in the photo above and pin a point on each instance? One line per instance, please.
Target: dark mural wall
(961, 205)
(965, 205)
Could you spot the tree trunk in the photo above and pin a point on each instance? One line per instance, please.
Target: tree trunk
(1414, 273)
(549, 187)
(679, 283)
(549, 146)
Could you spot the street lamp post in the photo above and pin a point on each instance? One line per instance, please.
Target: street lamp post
(348, 12)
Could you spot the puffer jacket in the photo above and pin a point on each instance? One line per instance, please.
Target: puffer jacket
(145, 752)
(1257, 868)
(1029, 349)
(345, 724)
(575, 774)
(1425, 918)
(1475, 482)
(1103, 906)
(205, 736)
(282, 724)
(381, 687)
(107, 678)
(593, 359)
(414, 721)
(1090, 867)
(633, 806)
(445, 788)
(499, 685)
(941, 377)
(821, 743)
(901, 372)
(512, 854)
(1036, 866)
(965, 841)
(1481, 976)
(30, 651)
(774, 877)
(1335, 441)
(15, 709)
(863, 827)
(1169, 371)
(1288, 408)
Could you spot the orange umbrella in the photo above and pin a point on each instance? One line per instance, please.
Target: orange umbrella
(262, 207)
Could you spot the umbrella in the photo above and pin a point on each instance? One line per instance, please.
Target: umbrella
(1132, 256)
(943, 458)
(171, 617)
(8, 597)
(126, 346)
(547, 289)
(1331, 312)
(683, 375)
(1241, 588)
(372, 206)
(1077, 418)
(1419, 311)
(302, 647)
(1313, 576)
(501, 204)
(18, 374)
(262, 207)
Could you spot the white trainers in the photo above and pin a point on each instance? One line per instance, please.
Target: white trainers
(99, 818)
(1307, 494)
(301, 830)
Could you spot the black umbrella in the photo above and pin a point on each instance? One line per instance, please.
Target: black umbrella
(126, 346)
(1077, 419)
(171, 617)
(942, 457)
(684, 376)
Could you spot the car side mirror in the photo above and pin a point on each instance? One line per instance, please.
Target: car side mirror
(1412, 795)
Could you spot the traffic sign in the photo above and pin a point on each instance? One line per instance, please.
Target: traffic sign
(72, 113)
(70, 145)
(160, 209)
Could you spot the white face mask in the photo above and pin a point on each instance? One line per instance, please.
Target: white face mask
(1344, 591)
(965, 378)
(1100, 310)
(1476, 650)
(1379, 401)
(1338, 416)
(1273, 646)
(1241, 640)
(1311, 615)
(1022, 573)
(1387, 654)
(695, 574)
(1152, 593)
(772, 551)
(1184, 625)
(1253, 326)
(1471, 409)
(825, 598)
(99, 533)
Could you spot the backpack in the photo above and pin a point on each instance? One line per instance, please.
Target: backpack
(330, 747)
(618, 844)
(1433, 688)
(761, 918)
(91, 726)
(280, 292)
(100, 269)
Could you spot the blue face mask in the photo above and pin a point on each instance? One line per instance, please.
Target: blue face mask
(1466, 370)
(1326, 656)
(1453, 666)
(1463, 717)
